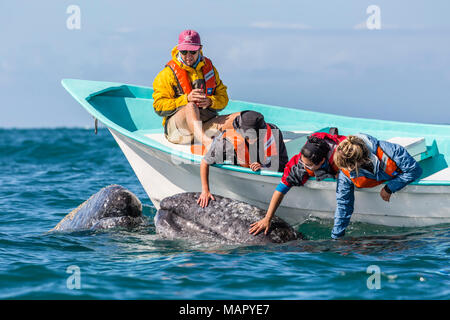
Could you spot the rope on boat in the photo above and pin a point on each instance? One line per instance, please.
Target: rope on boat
(95, 125)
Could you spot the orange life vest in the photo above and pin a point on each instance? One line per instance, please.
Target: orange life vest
(336, 139)
(241, 147)
(183, 79)
(386, 164)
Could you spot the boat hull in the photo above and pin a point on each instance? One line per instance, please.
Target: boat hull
(164, 174)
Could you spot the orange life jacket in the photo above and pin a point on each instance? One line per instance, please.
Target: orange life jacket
(241, 147)
(183, 79)
(336, 139)
(386, 164)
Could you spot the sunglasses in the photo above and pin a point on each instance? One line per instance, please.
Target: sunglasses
(310, 167)
(184, 52)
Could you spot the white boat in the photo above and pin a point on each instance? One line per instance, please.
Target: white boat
(165, 169)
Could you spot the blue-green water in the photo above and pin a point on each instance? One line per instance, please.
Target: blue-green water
(46, 173)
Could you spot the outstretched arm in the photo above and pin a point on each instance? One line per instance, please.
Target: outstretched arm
(345, 199)
(264, 223)
(204, 176)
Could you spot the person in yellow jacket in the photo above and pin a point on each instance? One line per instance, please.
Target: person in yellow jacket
(188, 93)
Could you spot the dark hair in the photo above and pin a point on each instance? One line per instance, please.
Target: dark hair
(315, 150)
(248, 124)
(252, 120)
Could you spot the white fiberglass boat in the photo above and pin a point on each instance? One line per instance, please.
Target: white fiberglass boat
(165, 169)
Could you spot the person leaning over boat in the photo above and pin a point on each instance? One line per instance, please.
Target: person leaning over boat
(188, 93)
(251, 143)
(314, 160)
(366, 162)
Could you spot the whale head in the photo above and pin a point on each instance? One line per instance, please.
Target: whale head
(223, 220)
(111, 207)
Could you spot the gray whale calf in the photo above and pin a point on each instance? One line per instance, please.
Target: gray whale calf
(111, 207)
(223, 220)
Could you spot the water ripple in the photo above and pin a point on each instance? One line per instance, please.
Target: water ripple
(47, 173)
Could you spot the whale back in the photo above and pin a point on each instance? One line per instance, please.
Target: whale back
(223, 220)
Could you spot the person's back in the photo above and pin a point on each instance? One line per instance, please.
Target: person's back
(236, 146)
(251, 143)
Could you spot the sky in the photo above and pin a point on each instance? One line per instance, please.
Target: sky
(313, 55)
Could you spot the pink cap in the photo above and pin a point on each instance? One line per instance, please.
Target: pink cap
(189, 40)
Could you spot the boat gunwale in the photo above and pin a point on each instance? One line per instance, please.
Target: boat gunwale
(84, 101)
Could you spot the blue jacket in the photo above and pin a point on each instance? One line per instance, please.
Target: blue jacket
(410, 171)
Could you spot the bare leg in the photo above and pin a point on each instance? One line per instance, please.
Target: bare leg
(188, 120)
(221, 123)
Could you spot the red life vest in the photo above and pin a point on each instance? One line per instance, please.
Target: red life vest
(386, 164)
(333, 142)
(183, 79)
(241, 148)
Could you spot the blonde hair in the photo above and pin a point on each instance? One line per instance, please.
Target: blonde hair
(351, 153)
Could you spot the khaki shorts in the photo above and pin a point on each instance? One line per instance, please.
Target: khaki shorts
(175, 135)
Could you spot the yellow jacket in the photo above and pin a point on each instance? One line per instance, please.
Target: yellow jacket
(166, 96)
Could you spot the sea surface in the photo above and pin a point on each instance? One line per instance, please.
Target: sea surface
(46, 173)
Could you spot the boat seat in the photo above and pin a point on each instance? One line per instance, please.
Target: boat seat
(416, 147)
(161, 139)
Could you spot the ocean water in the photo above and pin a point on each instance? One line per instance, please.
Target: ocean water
(45, 173)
